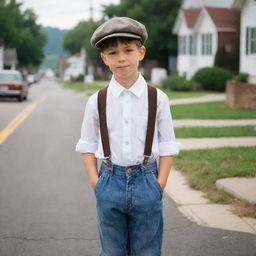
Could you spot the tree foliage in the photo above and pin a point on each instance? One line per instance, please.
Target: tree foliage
(158, 16)
(79, 37)
(19, 30)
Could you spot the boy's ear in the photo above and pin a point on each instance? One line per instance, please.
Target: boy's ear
(142, 52)
(104, 58)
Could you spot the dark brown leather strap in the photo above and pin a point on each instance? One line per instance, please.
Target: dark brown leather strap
(102, 102)
(152, 107)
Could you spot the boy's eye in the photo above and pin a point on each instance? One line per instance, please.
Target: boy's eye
(129, 50)
(111, 53)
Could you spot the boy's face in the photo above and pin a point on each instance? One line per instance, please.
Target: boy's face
(123, 60)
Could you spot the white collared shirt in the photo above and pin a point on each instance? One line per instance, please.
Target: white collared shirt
(127, 112)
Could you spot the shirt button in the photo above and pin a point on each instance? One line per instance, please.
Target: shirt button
(127, 142)
(126, 122)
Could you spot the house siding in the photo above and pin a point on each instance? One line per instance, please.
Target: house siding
(227, 40)
(1, 57)
(247, 62)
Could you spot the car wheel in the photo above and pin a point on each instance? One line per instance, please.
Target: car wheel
(20, 98)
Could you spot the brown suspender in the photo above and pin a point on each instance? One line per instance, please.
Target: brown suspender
(152, 106)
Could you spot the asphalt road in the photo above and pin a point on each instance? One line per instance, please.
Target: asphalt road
(46, 205)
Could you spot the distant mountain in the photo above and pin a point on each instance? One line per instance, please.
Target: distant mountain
(54, 43)
(53, 48)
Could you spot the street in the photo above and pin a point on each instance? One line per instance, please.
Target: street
(46, 204)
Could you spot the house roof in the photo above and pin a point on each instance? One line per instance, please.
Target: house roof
(190, 16)
(223, 17)
(63, 64)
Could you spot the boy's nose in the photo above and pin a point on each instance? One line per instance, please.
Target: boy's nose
(121, 57)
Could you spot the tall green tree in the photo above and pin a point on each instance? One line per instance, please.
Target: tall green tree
(79, 37)
(20, 30)
(31, 40)
(158, 16)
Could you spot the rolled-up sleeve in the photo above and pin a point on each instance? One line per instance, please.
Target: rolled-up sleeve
(88, 142)
(166, 137)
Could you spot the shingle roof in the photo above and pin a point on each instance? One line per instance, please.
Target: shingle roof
(191, 16)
(224, 17)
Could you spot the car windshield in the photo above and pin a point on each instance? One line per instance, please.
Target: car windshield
(5, 77)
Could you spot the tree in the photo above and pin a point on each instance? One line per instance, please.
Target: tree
(19, 30)
(79, 37)
(31, 42)
(158, 16)
(74, 39)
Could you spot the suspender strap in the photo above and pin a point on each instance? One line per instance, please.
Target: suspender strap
(152, 106)
(102, 100)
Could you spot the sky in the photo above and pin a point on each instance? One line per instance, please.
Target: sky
(64, 14)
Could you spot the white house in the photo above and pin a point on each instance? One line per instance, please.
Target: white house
(1, 57)
(248, 38)
(75, 66)
(201, 32)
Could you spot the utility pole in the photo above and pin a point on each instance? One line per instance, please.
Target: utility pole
(88, 65)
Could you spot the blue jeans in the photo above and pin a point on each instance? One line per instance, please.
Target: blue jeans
(129, 211)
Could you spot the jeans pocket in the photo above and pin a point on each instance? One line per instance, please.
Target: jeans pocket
(157, 184)
(97, 186)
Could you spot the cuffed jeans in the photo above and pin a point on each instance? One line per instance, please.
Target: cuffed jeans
(129, 210)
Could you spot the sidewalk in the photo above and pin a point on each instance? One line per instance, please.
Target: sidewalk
(192, 203)
(198, 209)
(205, 98)
(201, 143)
(213, 122)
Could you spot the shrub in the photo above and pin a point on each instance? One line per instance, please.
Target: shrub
(177, 83)
(213, 79)
(243, 78)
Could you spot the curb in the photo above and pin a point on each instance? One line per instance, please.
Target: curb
(193, 205)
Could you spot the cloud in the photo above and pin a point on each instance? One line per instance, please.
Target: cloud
(64, 13)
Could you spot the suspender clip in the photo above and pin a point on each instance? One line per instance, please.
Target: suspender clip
(145, 161)
(107, 161)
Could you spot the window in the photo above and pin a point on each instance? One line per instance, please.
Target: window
(182, 45)
(192, 44)
(250, 43)
(206, 44)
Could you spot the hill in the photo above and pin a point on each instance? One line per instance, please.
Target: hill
(54, 43)
(53, 48)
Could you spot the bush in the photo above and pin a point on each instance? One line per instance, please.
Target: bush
(177, 83)
(79, 78)
(213, 79)
(243, 78)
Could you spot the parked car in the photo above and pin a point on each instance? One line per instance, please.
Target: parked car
(12, 84)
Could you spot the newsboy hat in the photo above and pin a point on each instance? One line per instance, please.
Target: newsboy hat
(119, 27)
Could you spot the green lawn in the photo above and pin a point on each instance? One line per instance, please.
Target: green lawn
(225, 131)
(204, 166)
(179, 95)
(82, 87)
(210, 110)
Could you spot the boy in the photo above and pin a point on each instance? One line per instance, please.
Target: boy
(129, 185)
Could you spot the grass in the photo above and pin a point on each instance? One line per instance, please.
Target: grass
(204, 166)
(82, 87)
(225, 131)
(179, 95)
(210, 110)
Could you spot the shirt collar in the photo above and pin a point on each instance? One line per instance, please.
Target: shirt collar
(137, 88)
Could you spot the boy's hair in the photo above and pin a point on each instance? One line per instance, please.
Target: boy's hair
(113, 41)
